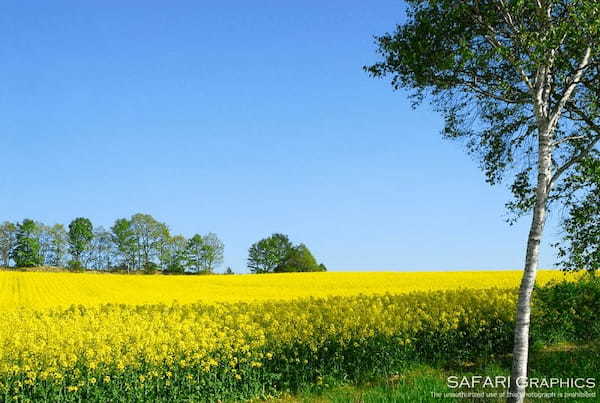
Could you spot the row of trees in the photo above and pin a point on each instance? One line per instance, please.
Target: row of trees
(139, 243)
(135, 244)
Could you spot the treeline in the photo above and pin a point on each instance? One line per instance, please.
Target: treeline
(138, 243)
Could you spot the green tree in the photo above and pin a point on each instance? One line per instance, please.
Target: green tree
(194, 253)
(213, 252)
(58, 245)
(299, 259)
(580, 249)
(102, 250)
(204, 253)
(173, 258)
(268, 253)
(42, 234)
(53, 243)
(26, 252)
(124, 240)
(8, 239)
(150, 237)
(520, 81)
(81, 233)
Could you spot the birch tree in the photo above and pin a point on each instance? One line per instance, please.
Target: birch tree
(520, 82)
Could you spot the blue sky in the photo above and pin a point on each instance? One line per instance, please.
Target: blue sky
(244, 119)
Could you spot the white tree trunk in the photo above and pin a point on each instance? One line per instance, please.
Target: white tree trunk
(521, 336)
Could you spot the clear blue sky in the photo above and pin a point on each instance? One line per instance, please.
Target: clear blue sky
(244, 119)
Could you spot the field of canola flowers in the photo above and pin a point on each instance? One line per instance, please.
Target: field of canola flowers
(39, 290)
(101, 337)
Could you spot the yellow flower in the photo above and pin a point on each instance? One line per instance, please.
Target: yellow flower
(43, 339)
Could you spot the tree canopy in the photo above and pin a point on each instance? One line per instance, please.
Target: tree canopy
(265, 255)
(26, 252)
(277, 254)
(497, 70)
(299, 259)
(81, 233)
(204, 253)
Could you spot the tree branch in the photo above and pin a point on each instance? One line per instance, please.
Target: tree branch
(585, 151)
(571, 87)
(472, 85)
(493, 41)
(564, 139)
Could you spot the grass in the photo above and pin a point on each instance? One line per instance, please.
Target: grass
(417, 383)
(414, 385)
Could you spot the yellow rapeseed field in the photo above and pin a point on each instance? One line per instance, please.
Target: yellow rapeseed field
(40, 290)
(107, 337)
